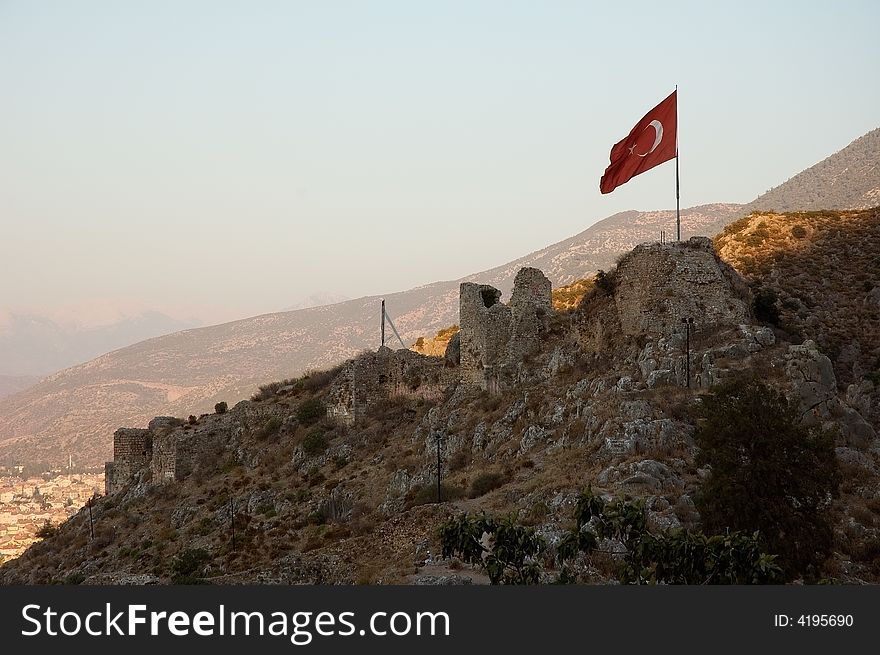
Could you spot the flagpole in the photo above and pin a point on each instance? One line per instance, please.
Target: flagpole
(677, 186)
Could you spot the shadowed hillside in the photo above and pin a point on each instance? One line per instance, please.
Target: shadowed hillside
(822, 272)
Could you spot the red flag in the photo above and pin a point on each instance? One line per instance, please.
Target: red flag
(651, 142)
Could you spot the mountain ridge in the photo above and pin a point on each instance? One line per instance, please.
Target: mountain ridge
(187, 372)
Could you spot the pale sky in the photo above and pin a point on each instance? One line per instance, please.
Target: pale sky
(243, 155)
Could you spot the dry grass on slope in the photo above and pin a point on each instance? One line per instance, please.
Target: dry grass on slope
(825, 270)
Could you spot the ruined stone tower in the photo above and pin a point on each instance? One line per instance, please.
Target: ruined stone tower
(657, 285)
(495, 335)
(132, 448)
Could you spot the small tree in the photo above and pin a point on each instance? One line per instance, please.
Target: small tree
(764, 306)
(310, 411)
(221, 407)
(604, 282)
(47, 530)
(512, 554)
(506, 551)
(188, 567)
(768, 473)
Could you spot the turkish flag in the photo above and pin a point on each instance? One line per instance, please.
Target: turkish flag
(651, 142)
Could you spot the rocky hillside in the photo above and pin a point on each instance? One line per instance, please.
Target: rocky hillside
(823, 269)
(849, 179)
(76, 410)
(332, 478)
(10, 384)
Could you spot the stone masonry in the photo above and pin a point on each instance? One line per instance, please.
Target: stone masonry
(494, 335)
(373, 377)
(657, 285)
(132, 448)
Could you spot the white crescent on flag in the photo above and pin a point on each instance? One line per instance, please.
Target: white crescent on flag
(658, 136)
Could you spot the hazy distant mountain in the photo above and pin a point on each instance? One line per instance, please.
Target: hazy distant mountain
(849, 179)
(34, 344)
(10, 384)
(78, 409)
(185, 373)
(318, 299)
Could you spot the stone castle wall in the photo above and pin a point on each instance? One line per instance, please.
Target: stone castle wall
(132, 448)
(658, 285)
(373, 377)
(494, 335)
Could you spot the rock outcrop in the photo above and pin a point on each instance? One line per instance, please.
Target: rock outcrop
(495, 336)
(657, 285)
(814, 388)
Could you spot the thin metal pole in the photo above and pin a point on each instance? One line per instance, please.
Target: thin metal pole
(383, 321)
(439, 497)
(677, 201)
(687, 362)
(91, 521)
(232, 520)
(677, 185)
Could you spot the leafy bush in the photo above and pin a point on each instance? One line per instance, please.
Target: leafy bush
(315, 443)
(310, 411)
(271, 427)
(189, 566)
(798, 232)
(513, 557)
(768, 473)
(427, 494)
(47, 530)
(764, 306)
(604, 282)
(192, 420)
(513, 554)
(221, 407)
(486, 482)
(671, 556)
(75, 578)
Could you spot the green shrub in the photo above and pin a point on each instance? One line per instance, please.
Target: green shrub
(515, 554)
(315, 443)
(221, 407)
(310, 411)
(75, 578)
(270, 428)
(427, 494)
(47, 530)
(768, 473)
(514, 557)
(604, 282)
(764, 306)
(486, 482)
(189, 566)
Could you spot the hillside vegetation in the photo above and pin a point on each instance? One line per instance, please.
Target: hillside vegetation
(316, 500)
(849, 179)
(76, 410)
(823, 269)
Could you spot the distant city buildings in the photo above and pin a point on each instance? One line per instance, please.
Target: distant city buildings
(26, 505)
